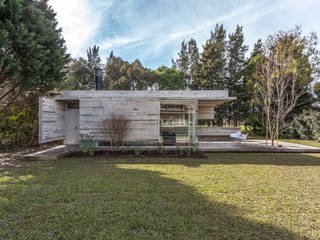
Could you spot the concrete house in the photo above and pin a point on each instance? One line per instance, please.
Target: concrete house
(152, 115)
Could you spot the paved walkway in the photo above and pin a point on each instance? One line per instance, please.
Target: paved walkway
(256, 146)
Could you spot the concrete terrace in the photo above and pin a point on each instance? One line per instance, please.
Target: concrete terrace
(248, 146)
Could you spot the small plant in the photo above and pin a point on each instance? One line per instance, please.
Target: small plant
(138, 150)
(195, 147)
(189, 152)
(161, 148)
(180, 150)
(87, 143)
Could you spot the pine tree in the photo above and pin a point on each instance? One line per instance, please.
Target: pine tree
(94, 60)
(236, 62)
(211, 74)
(194, 61)
(182, 62)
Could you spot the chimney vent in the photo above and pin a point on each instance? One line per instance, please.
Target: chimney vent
(98, 78)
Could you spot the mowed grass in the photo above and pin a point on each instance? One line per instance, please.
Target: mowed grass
(227, 196)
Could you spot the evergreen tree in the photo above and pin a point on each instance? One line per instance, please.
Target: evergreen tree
(32, 51)
(182, 62)
(251, 111)
(211, 74)
(94, 60)
(188, 61)
(194, 61)
(236, 62)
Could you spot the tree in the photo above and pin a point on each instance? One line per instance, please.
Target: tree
(251, 110)
(235, 65)
(32, 51)
(280, 79)
(79, 76)
(122, 75)
(188, 61)
(170, 79)
(194, 61)
(211, 74)
(182, 63)
(81, 72)
(316, 89)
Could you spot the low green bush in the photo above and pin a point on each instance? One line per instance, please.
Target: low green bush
(137, 150)
(87, 143)
(19, 128)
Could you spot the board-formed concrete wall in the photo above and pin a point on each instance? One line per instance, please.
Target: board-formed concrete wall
(143, 115)
(52, 120)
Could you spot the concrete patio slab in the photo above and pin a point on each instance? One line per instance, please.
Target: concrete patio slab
(256, 146)
(52, 153)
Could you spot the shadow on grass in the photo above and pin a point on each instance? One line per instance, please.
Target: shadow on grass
(96, 199)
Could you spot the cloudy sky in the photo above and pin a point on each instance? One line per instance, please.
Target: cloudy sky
(152, 30)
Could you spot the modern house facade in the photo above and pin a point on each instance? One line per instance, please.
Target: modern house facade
(152, 115)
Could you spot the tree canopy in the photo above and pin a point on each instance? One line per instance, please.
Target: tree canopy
(32, 51)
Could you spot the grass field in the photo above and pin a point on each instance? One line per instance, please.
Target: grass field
(227, 196)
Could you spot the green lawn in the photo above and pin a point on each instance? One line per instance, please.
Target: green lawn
(227, 196)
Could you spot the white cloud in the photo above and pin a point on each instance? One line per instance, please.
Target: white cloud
(78, 23)
(116, 42)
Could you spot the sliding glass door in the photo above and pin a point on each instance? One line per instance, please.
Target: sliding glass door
(177, 123)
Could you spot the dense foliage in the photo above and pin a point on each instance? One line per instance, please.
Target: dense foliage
(32, 50)
(32, 61)
(170, 79)
(306, 125)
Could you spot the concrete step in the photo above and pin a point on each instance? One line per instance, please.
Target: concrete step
(52, 153)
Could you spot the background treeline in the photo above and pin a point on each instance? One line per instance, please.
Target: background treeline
(34, 62)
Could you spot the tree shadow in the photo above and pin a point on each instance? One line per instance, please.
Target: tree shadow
(95, 199)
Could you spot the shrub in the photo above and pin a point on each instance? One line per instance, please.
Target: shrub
(87, 143)
(179, 150)
(116, 128)
(195, 147)
(306, 125)
(19, 128)
(161, 148)
(138, 150)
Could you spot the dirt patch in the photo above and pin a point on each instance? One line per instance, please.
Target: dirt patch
(131, 154)
(13, 157)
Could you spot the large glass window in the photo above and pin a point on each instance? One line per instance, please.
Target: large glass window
(177, 124)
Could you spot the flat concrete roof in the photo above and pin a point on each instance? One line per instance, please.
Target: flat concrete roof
(219, 95)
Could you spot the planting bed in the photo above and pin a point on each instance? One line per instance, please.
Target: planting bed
(132, 154)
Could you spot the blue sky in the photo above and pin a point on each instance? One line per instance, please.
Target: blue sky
(152, 30)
